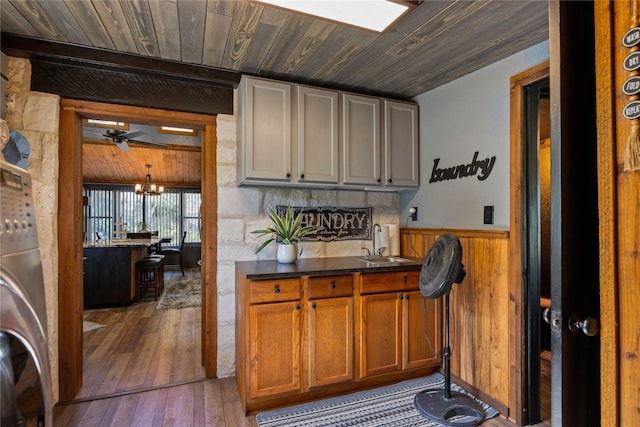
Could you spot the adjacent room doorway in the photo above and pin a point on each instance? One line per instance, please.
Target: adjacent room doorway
(71, 232)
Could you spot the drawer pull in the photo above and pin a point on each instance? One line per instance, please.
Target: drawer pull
(404, 279)
(313, 306)
(332, 285)
(298, 307)
(277, 290)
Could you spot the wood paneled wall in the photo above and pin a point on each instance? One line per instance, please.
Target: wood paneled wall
(481, 312)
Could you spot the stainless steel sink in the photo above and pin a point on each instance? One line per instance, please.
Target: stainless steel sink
(382, 260)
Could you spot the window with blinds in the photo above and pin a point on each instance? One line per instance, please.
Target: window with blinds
(118, 207)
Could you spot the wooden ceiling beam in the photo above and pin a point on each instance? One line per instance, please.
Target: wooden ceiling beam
(101, 75)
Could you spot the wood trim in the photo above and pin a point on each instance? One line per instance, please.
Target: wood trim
(516, 221)
(489, 234)
(606, 129)
(70, 301)
(209, 250)
(70, 291)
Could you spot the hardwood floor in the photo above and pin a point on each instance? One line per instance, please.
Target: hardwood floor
(144, 369)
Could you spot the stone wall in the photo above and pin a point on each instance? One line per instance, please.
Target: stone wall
(36, 116)
(242, 210)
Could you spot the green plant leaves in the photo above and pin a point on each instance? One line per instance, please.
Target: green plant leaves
(285, 228)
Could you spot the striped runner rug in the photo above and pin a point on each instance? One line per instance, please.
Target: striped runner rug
(390, 406)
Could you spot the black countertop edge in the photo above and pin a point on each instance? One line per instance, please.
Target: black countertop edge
(272, 269)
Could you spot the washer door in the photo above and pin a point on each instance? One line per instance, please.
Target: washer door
(25, 378)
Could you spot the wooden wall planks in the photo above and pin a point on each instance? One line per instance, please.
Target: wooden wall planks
(481, 313)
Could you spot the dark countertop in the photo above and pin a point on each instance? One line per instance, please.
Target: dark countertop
(122, 243)
(272, 269)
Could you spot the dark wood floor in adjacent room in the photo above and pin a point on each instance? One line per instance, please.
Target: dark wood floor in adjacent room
(144, 369)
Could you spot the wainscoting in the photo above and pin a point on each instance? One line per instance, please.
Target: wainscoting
(482, 315)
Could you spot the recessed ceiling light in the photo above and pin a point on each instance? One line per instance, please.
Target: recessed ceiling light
(374, 15)
(105, 122)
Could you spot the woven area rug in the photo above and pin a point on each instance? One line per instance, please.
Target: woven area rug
(180, 293)
(390, 406)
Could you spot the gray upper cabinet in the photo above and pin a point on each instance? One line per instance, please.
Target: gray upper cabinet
(296, 135)
(264, 125)
(401, 152)
(361, 139)
(317, 135)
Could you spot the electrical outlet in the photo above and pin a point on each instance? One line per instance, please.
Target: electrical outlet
(414, 213)
(488, 214)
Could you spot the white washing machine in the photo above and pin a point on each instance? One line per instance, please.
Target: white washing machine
(25, 373)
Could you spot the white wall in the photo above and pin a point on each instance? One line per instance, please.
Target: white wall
(456, 120)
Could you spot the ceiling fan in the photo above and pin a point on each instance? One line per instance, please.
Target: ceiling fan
(122, 138)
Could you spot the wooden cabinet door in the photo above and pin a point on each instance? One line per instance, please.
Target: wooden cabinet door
(401, 144)
(265, 123)
(330, 328)
(274, 349)
(361, 140)
(380, 329)
(317, 135)
(420, 331)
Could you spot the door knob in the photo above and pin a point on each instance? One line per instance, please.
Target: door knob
(587, 325)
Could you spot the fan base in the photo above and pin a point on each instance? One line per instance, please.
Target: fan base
(458, 410)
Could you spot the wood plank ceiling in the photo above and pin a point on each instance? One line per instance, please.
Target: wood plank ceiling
(435, 43)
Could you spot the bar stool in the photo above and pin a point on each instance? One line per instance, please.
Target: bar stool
(160, 258)
(149, 273)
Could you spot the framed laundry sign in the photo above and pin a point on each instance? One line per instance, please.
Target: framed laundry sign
(337, 223)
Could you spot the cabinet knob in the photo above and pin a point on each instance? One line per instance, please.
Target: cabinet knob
(313, 306)
(332, 285)
(288, 174)
(298, 307)
(301, 176)
(404, 279)
(277, 290)
(407, 296)
(401, 296)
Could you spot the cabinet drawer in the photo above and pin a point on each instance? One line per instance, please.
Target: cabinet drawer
(274, 290)
(330, 286)
(389, 282)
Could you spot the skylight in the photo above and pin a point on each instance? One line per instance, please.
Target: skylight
(374, 15)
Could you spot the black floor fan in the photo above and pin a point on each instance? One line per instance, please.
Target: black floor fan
(442, 267)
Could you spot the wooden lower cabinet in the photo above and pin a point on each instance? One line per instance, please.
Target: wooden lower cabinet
(308, 337)
(398, 329)
(274, 349)
(330, 341)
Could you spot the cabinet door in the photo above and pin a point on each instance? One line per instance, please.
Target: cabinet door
(266, 125)
(401, 141)
(361, 139)
(274, 349)
(380, 332)
(330, 329)
(421, 331)
(317, 135)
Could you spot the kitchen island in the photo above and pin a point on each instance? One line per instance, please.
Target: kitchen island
(109, 271)
(327, 326)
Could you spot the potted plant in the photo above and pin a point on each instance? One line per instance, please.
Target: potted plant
(286, 231)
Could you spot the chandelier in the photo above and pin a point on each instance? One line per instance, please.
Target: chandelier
(147, 188)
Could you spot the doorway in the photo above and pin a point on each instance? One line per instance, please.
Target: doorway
(536, 249)
(71, 231)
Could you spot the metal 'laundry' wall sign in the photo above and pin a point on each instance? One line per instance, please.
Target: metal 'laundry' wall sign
(482, 168)
(338, 223)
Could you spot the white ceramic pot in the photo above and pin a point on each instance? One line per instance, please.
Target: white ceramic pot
(287, 254)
